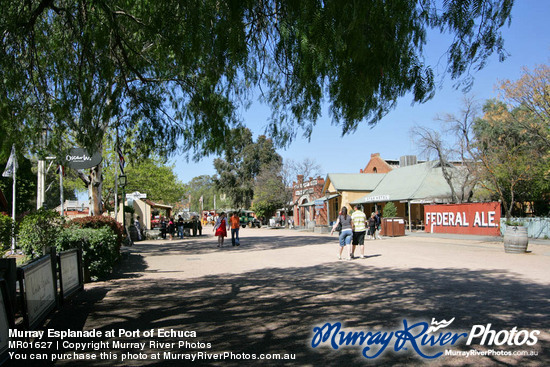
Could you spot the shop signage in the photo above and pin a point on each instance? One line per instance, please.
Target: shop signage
(79, 158)
(474, 218)
(136, 195)
(377, 198)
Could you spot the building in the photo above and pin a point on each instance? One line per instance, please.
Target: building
(304, 194)
(144, 208)
(342, 189)
(379, 165)
(409, 188)
(75, 209)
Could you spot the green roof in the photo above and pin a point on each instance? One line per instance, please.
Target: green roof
(355, 181)
(422, 181)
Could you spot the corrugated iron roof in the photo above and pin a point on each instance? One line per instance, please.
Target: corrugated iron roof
(355, 181)
(416, 182)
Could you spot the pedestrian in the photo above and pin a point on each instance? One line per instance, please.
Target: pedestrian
(346, 232)
(163, 227)
(378, 223)
(171, 228)
(359, 220)
(372, 226)
(194, 225)
(220, 229)
(138, 228)
(235, 225)
(180, 226)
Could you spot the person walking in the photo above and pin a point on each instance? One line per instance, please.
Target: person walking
(372, 226)
(235, 225)
(358, 221)
(346, 232)
(180, 227)
(378, 218)
(163, 227)
(220, 229)
(138, 228)
(171, 227)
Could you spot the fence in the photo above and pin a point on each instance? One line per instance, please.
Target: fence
(537, 228)
(33, 291)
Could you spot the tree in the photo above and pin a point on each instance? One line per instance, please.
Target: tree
(457, 147)
(531, 93)
(291, 170)
(203, 186)
(243, 161)
(25, 199)
(52, 195)
(270, 192)
(512, 158)
(150, 176)
(307, 167)
(174, 73)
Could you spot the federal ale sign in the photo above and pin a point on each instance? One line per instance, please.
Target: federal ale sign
(475, 218)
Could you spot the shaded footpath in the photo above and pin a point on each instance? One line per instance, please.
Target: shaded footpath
(274, 310)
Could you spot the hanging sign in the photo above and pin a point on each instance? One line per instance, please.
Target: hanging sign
(136, 195)
(78, 158)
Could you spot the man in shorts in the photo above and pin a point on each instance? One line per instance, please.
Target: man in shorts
(358, 219)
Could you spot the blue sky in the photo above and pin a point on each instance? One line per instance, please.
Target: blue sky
(527, 40)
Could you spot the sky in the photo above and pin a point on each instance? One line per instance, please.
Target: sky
(527, 41)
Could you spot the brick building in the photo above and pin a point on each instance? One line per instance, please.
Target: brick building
(304, 194)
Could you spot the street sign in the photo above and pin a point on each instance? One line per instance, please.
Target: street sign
(319, 203)
(136, 195)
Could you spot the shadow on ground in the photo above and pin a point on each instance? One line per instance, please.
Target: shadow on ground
(275, 310)
(208, 244)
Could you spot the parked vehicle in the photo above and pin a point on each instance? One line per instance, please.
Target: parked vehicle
(247, 218)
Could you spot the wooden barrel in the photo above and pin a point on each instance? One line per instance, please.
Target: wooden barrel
(515, 239)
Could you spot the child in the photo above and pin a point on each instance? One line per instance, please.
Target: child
(220, 229)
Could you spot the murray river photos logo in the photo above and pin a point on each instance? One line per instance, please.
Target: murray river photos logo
(426, 340)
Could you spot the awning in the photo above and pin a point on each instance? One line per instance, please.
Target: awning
(311, 203)
(331, 197)
(157, 205)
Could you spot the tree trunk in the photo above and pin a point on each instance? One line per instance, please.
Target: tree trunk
(94, 190)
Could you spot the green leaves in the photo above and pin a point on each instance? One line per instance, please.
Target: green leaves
(173, 74)
(243, 162)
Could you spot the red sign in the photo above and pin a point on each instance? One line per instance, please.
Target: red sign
(476, 218)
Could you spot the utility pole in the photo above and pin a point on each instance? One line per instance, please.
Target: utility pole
(41, 189)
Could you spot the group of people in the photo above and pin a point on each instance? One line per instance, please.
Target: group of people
(175, 228)
(220, 231)
(353, 229)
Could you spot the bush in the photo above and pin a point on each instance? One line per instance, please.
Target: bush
(390, 210)
(100, 221)
(38, 231)
(6, 224)
(100, 250)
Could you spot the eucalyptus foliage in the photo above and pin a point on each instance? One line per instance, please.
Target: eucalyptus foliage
(243, 161)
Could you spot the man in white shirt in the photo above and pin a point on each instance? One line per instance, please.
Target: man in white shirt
(358, 220)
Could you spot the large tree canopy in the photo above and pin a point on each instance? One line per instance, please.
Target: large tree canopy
(243, 161)
(177, 70)
(172, 74)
